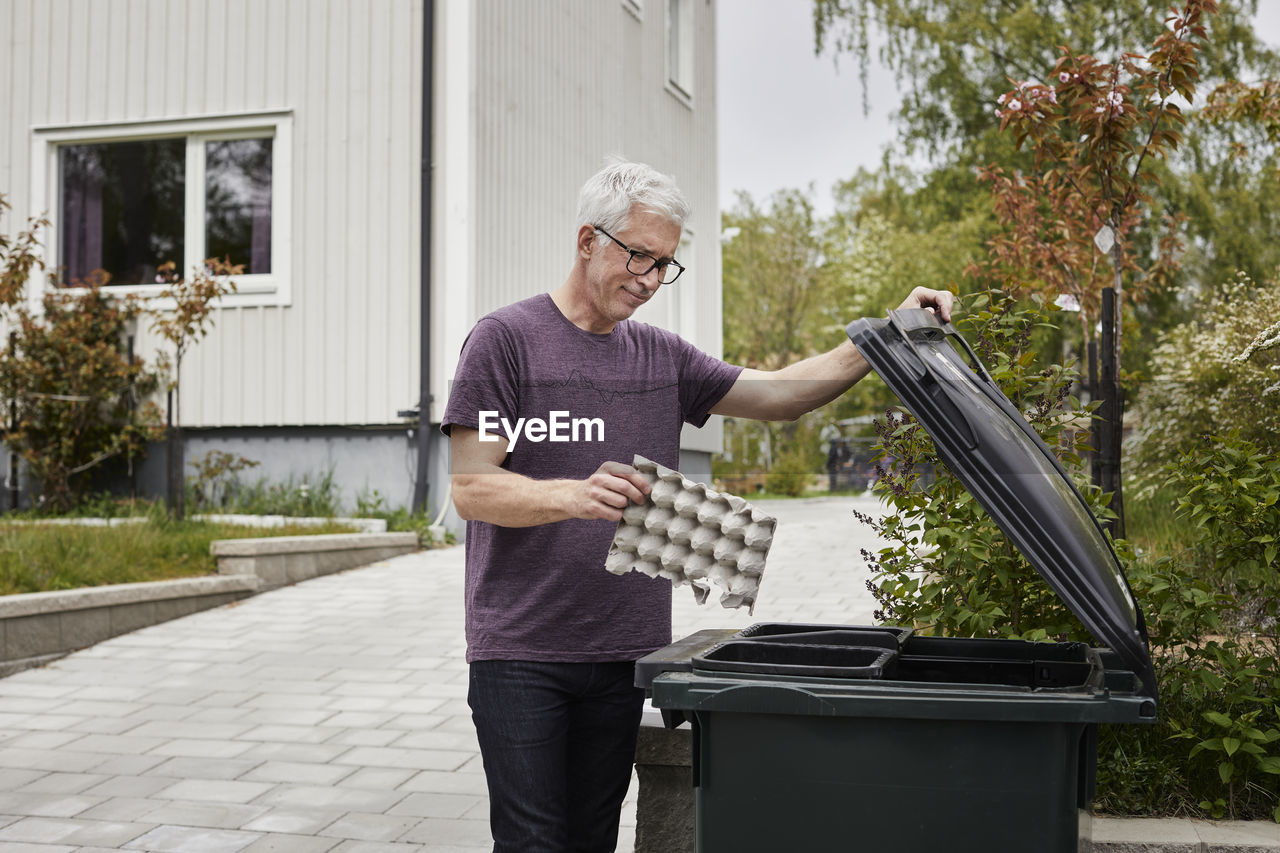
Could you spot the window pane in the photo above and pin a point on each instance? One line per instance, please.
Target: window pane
(122, 208)
(238, 202)
(680, 37)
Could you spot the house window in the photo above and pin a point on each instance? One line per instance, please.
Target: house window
(237, 202)
(122, 208)
(680, 47)
(128, 199)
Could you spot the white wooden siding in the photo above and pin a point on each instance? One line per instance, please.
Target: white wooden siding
(556, 88)
(345, 348)
(530, 98)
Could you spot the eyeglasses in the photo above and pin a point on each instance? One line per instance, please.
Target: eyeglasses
(640, 263)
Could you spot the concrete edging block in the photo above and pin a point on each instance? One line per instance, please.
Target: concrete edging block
(41, 626)
(33, 603)
(285, 560)
(311, 544)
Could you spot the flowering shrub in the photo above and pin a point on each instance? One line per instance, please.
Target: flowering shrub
(1214, 376)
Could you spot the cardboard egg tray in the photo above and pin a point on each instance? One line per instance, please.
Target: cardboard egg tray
(687, 533)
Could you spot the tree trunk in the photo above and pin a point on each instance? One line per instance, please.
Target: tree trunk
(1108, 419)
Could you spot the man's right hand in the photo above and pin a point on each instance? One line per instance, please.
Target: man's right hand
(485, 491)
(607, 492)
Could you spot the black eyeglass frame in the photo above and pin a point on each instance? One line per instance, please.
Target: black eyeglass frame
(634, 253)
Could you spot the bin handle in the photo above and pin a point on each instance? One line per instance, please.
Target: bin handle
(767, 698)
(917, 322)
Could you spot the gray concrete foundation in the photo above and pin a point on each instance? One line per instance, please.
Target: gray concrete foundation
(664, 807)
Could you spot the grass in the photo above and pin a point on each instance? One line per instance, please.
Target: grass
(40, 558)
(1151, 525)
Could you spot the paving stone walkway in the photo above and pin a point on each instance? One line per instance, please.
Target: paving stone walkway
(327, 717)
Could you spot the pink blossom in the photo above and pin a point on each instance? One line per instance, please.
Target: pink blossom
(1064, 77)
(1002, 98)
(1015, 104)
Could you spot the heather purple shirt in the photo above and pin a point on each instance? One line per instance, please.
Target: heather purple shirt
(542, 593)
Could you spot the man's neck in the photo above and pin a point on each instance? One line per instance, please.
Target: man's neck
(578, 311)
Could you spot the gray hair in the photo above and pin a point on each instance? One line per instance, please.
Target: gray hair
(606, 199)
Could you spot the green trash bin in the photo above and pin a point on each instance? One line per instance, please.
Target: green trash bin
(869, 738)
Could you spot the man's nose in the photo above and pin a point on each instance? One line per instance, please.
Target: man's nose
(650, 280)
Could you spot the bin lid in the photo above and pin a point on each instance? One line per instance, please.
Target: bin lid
(999, 458)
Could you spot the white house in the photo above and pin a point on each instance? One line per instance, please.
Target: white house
(290, 135)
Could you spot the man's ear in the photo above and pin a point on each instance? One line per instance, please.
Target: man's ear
(586, 242)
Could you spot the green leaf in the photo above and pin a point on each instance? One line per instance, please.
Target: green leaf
(1225, 771)
(1230, 745)
(1217, 717)
(1270, 764)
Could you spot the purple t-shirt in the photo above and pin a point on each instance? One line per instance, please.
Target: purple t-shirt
(541, 593)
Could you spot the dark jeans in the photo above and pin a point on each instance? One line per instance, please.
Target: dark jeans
(558, 742)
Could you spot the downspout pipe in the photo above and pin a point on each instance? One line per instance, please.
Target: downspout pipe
(421, 480)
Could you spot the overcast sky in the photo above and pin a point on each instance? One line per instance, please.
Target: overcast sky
(789, 118)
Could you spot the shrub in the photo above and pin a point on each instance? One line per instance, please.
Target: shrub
(1203, 383)
(311, 495)
(1212, 619)
(373, 504)
(790, 474)
(216, 479)
(78, 397)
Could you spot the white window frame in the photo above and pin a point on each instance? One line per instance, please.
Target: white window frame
(274, 288)
(680, 54)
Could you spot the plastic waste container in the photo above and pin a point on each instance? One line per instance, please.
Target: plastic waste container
(871, 738)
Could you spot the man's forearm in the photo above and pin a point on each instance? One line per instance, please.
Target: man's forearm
(816, 381)
(510, 500)
(786, 394)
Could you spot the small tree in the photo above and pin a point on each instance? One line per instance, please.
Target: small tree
(77, 394)
(1095, 129)
(189, 321)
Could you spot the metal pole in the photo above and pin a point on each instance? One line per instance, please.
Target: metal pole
(14, 494)
(421, 484)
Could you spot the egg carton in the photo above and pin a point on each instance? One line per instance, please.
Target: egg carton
(690, 534)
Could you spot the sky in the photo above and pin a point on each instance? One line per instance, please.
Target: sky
(788, 118)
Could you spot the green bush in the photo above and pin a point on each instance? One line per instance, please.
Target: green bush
(374, 504)
(1216, 375)
(789, 475)
(311, 495)
(78, 398)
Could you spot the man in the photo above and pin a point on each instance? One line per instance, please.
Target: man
(552, 398)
